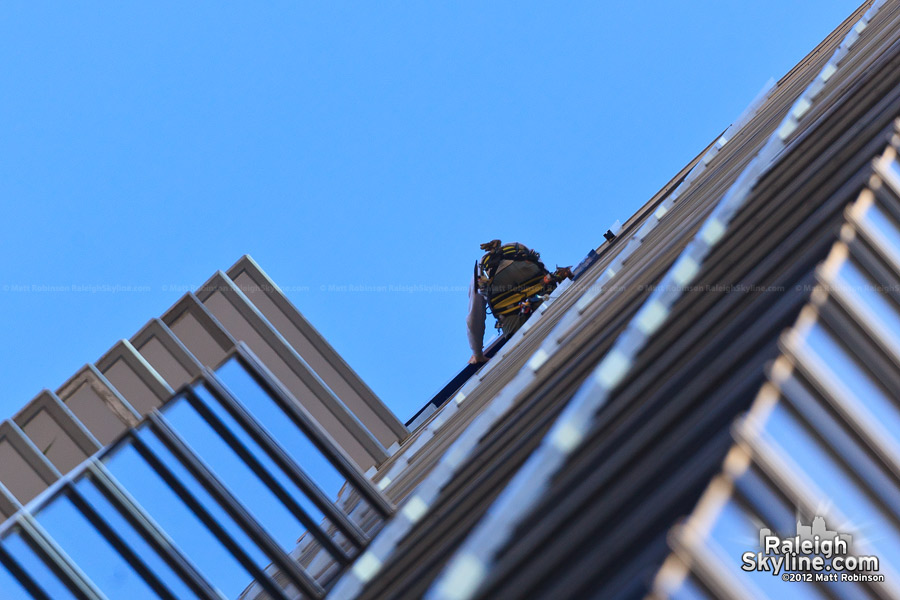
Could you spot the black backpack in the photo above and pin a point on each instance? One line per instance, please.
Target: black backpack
(523, 279)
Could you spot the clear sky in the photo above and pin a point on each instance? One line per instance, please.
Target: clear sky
(364, 144)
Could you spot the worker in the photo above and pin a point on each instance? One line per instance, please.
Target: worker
(511, 280)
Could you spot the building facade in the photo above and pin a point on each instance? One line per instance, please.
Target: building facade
(723, 372)
(182, 464)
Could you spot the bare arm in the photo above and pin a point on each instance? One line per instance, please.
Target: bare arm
(475, 321)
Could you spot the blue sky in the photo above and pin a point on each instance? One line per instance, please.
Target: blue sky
(342, 144)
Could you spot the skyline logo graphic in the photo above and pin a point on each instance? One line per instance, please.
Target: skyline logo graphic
(814, 553)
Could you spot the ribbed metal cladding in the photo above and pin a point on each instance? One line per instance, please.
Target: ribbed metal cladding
(600, 529)
(833, 388)
(730, 360)
(603, 525)
(580, 324)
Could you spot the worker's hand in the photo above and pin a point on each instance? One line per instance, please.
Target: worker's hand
(477, 359)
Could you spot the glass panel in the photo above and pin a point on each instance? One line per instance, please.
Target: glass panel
(842, 442)
(91, 551)
(260, 455)
(281, 427)
(232, 471)
(303, 543)
(123, 528)
(35, 567)
(886, 226)
(830, 476)
(10, 588)
(181, 524)
(857, 283)
(894, 166)
(855, 379)
(688, 590)
(736, 532)
(203, 497)
(759, 495)
(218, 512)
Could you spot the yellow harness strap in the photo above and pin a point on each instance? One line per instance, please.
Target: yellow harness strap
(510, 303)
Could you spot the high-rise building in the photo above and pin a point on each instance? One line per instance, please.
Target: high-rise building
(219, 451)
(722, 374)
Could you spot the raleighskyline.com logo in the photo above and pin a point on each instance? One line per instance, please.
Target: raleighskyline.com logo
(814, 554)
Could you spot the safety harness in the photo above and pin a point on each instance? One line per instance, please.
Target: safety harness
(514, 296)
